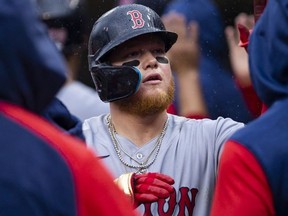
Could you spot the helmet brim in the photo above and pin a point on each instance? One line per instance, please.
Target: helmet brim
(169, 38)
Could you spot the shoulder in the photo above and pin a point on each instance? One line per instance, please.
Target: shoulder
(94, 123)
(218, 124)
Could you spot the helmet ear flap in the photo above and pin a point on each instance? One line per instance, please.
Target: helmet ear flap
(115, 82)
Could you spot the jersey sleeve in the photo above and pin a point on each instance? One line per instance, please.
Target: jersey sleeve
(242, 188)
(94, 190)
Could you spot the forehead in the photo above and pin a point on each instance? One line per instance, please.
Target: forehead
(142, 41)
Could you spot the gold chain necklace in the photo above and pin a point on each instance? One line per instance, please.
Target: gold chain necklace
(142, 167)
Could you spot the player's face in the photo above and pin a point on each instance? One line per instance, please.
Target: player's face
(147, 53)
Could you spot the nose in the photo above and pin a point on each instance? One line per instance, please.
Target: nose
(149, 61)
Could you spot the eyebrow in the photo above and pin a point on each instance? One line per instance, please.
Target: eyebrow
(135, 42)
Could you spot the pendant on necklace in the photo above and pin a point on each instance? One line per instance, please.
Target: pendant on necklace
(142, 171)
(139, 156)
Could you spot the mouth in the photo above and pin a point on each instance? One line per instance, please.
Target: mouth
(152, 78)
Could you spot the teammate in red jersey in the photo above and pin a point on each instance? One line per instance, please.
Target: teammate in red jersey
(42, 171)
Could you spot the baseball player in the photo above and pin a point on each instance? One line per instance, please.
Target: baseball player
(167, 164)
(66, 21)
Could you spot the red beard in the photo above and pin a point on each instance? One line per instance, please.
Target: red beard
(140, 105)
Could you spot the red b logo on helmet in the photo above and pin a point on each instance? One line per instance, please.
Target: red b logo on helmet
(137, 19)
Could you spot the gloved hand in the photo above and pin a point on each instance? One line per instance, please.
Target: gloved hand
(244, 33)
(145, 188)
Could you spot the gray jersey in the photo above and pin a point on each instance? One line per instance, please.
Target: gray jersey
(189, 153)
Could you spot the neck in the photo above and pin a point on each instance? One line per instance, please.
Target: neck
(138, 129)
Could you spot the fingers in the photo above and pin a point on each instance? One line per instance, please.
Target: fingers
(155, 183)
(143, 188)
(245, 20)
(162, 177)
(238, 55)
(151, 177)
(159, 192)
(244, 36)
(145, 198)
(193, 31)
(231, 37)
(150, 187)
(186, 32)
(185, 52)
(175, 22)
(244, 32)
(242, 29)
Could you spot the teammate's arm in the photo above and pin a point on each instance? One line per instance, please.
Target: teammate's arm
(242, 188)
(184, 60)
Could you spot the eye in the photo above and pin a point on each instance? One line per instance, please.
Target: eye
(133, 54)
(159, 52)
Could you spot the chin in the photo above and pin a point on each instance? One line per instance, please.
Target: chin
(148, 102)
(145, 104)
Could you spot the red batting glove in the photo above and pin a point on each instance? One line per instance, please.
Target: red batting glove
(150, 187)
(259, 6)
(244, 35)
(145, 188)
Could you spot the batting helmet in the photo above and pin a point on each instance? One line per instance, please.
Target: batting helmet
(67, 14)
(109, 31)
